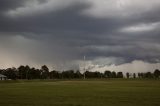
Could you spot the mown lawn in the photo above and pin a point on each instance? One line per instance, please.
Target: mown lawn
(81, 93)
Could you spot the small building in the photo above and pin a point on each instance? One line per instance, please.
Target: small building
(3, 77)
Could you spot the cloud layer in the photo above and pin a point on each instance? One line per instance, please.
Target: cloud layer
(59, 32)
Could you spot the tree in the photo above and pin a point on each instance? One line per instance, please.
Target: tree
(119, 75)
(68, 74)
(139, 75)
(108, 74)
(37, 73)
(78, 74)
(1, 71)
(11, 73)
(27, 69)
(54, 74)
(21, 72)
(114, 75)
(127, 75)
(89, 74)
(97, 74)
(157, 73)
(134, 75)
(44, 72)
(148, 75)
(33, 73)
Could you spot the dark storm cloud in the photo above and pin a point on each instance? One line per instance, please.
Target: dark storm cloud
(10, 4)
(68, 20)
(68, 33)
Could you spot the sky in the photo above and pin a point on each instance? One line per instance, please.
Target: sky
(117, 35)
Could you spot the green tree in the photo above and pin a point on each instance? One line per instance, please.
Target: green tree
(108, 74)
(114, 75)
(157, 73)
(11, 73)
(54, 74)
(148, 75)
(119, 75)
(33, 73)
(139, 75)
(21, 72)
(27, 70)
(69, 74)
(78, 74)
(134, 75)
(44, 72)
(127, 75)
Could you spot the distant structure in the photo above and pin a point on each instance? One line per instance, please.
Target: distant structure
(84, 67)
(3, 77)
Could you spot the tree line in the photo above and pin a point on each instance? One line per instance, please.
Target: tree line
(26, 72)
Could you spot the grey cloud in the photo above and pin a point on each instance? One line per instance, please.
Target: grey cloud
(67, 34)
(10, 4)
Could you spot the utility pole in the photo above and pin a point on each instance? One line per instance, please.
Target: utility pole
(84, 68)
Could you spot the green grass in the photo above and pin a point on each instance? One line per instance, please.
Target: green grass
(111, 92)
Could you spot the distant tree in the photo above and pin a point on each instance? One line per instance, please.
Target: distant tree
(78, 74)
(27, 69)
(127, 75)
(37, 73)
(1, 71)
(119, 75)
(139, 75)
(89, 74)
(108, 74)
(45, 68)
(134, 75)
(44, 72)
(148, 75)
(25, 72)
(21, 72)
(54, 74)
(33, 73)
(114, 75)
(157, 73)
(11, 73)
(102, 75)
(143, 75)
(69, 74)
(97, 74)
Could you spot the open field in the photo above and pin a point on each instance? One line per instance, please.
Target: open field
(111, 92)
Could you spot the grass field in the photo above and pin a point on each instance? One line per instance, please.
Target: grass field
(111, 92)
